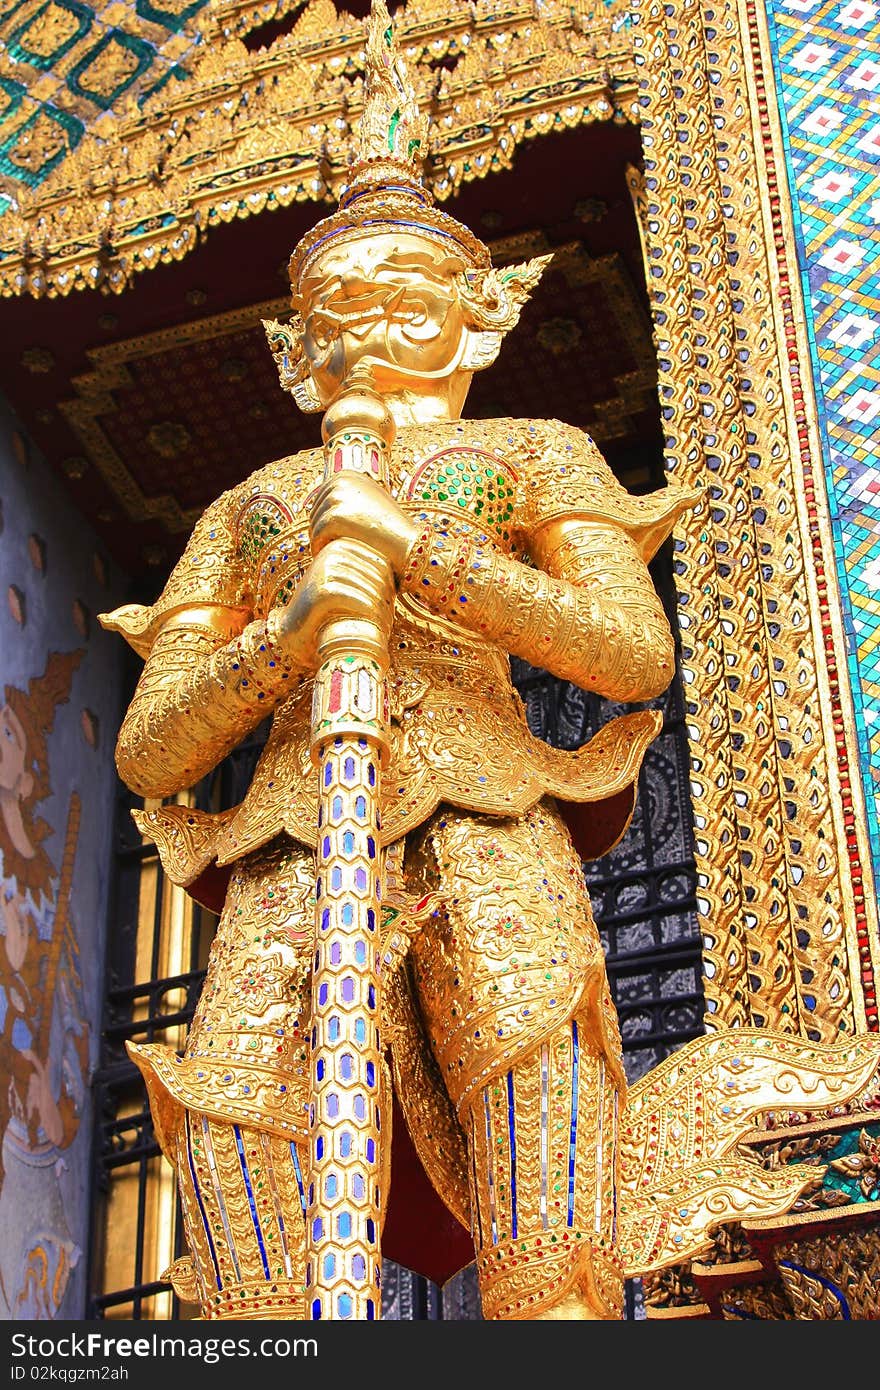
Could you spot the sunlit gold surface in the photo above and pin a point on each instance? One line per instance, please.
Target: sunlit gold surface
(504, 536)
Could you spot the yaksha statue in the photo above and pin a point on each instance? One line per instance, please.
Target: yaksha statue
(406, 978)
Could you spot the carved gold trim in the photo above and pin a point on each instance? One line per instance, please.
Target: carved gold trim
(832, 616)
(859, 1213)
(254, 131)
(775, 903)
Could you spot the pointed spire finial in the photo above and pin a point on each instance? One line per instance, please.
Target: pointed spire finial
(392, 128)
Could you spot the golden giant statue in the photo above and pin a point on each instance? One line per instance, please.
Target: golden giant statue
(400, 861)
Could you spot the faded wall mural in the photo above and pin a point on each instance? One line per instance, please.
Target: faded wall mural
(59, 707)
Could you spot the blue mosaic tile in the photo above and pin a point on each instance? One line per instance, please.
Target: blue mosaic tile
(826, 60)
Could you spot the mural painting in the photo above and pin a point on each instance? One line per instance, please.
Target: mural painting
(57, 700)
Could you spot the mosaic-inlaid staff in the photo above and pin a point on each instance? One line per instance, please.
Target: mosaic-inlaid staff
(348, 743)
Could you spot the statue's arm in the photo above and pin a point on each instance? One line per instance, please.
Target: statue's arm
(587, 612)
(213, 672)
(210, 678)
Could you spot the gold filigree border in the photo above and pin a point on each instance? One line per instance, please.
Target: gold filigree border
(250, 132)
(777, 909)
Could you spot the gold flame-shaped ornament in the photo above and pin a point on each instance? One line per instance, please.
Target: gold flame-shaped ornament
(385, 189)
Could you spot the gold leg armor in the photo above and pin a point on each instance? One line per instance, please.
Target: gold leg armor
(243, 1200)
(230, 1114)
(543, 1146)
(511, 984)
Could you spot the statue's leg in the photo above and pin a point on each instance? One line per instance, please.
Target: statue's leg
(241, 1194)
(542, 1139)
(230, 1114)
(511, 984)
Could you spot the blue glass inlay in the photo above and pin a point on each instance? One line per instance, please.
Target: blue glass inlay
(255, 1218)
(346, 1066)
(329, 1266)
(348, 770)
(360, 879)
(371, 847)
(346, 989)
(316, 1310)
(336, 808)
(371, 996)
(343, 1225)
(320, 1069)
(371, 919)
(317, 1228)
(347, 914)
(360, 1030)
(371, 1151)
(298, 1171)
(371, 775)
(333, 1105)
(196, 1189)
(336, 879)
(371, 1230)
(511, 1130)
(335, 953)
(360, 807)
(333, 1028)
(331, 1185)
(371, 1074)
(325, 846)
(345, 1144)
(371, 1310)
(345, 1306)
(348, 842)
(325, 919)
(328, 774)
(323, 994)
(360, 1108)
(358, 1187)
(358, 1267)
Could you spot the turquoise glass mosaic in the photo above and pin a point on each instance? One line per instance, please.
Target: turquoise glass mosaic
(826, 58)
(64, 64)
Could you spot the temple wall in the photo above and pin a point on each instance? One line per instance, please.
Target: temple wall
(59, 675)
(826, 69)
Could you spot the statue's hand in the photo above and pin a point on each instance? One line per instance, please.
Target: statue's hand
(346, 580)
(356, 507)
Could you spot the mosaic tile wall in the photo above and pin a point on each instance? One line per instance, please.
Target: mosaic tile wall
(826, 57)
(64, 65)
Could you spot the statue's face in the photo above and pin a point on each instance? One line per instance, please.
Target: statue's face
(390, 298)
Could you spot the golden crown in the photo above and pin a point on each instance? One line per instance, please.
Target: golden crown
(386, 188)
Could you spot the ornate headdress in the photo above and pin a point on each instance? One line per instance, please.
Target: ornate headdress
(386, 192)
(385, 188)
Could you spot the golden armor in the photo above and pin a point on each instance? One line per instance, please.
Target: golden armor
(410, 583)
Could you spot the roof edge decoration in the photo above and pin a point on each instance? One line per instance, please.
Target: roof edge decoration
(247, 131)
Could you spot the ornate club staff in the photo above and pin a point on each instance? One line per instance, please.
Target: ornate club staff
(348, 742)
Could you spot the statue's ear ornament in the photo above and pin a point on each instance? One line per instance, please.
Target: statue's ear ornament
(494, 299)
(285, 345)
(495, 296)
